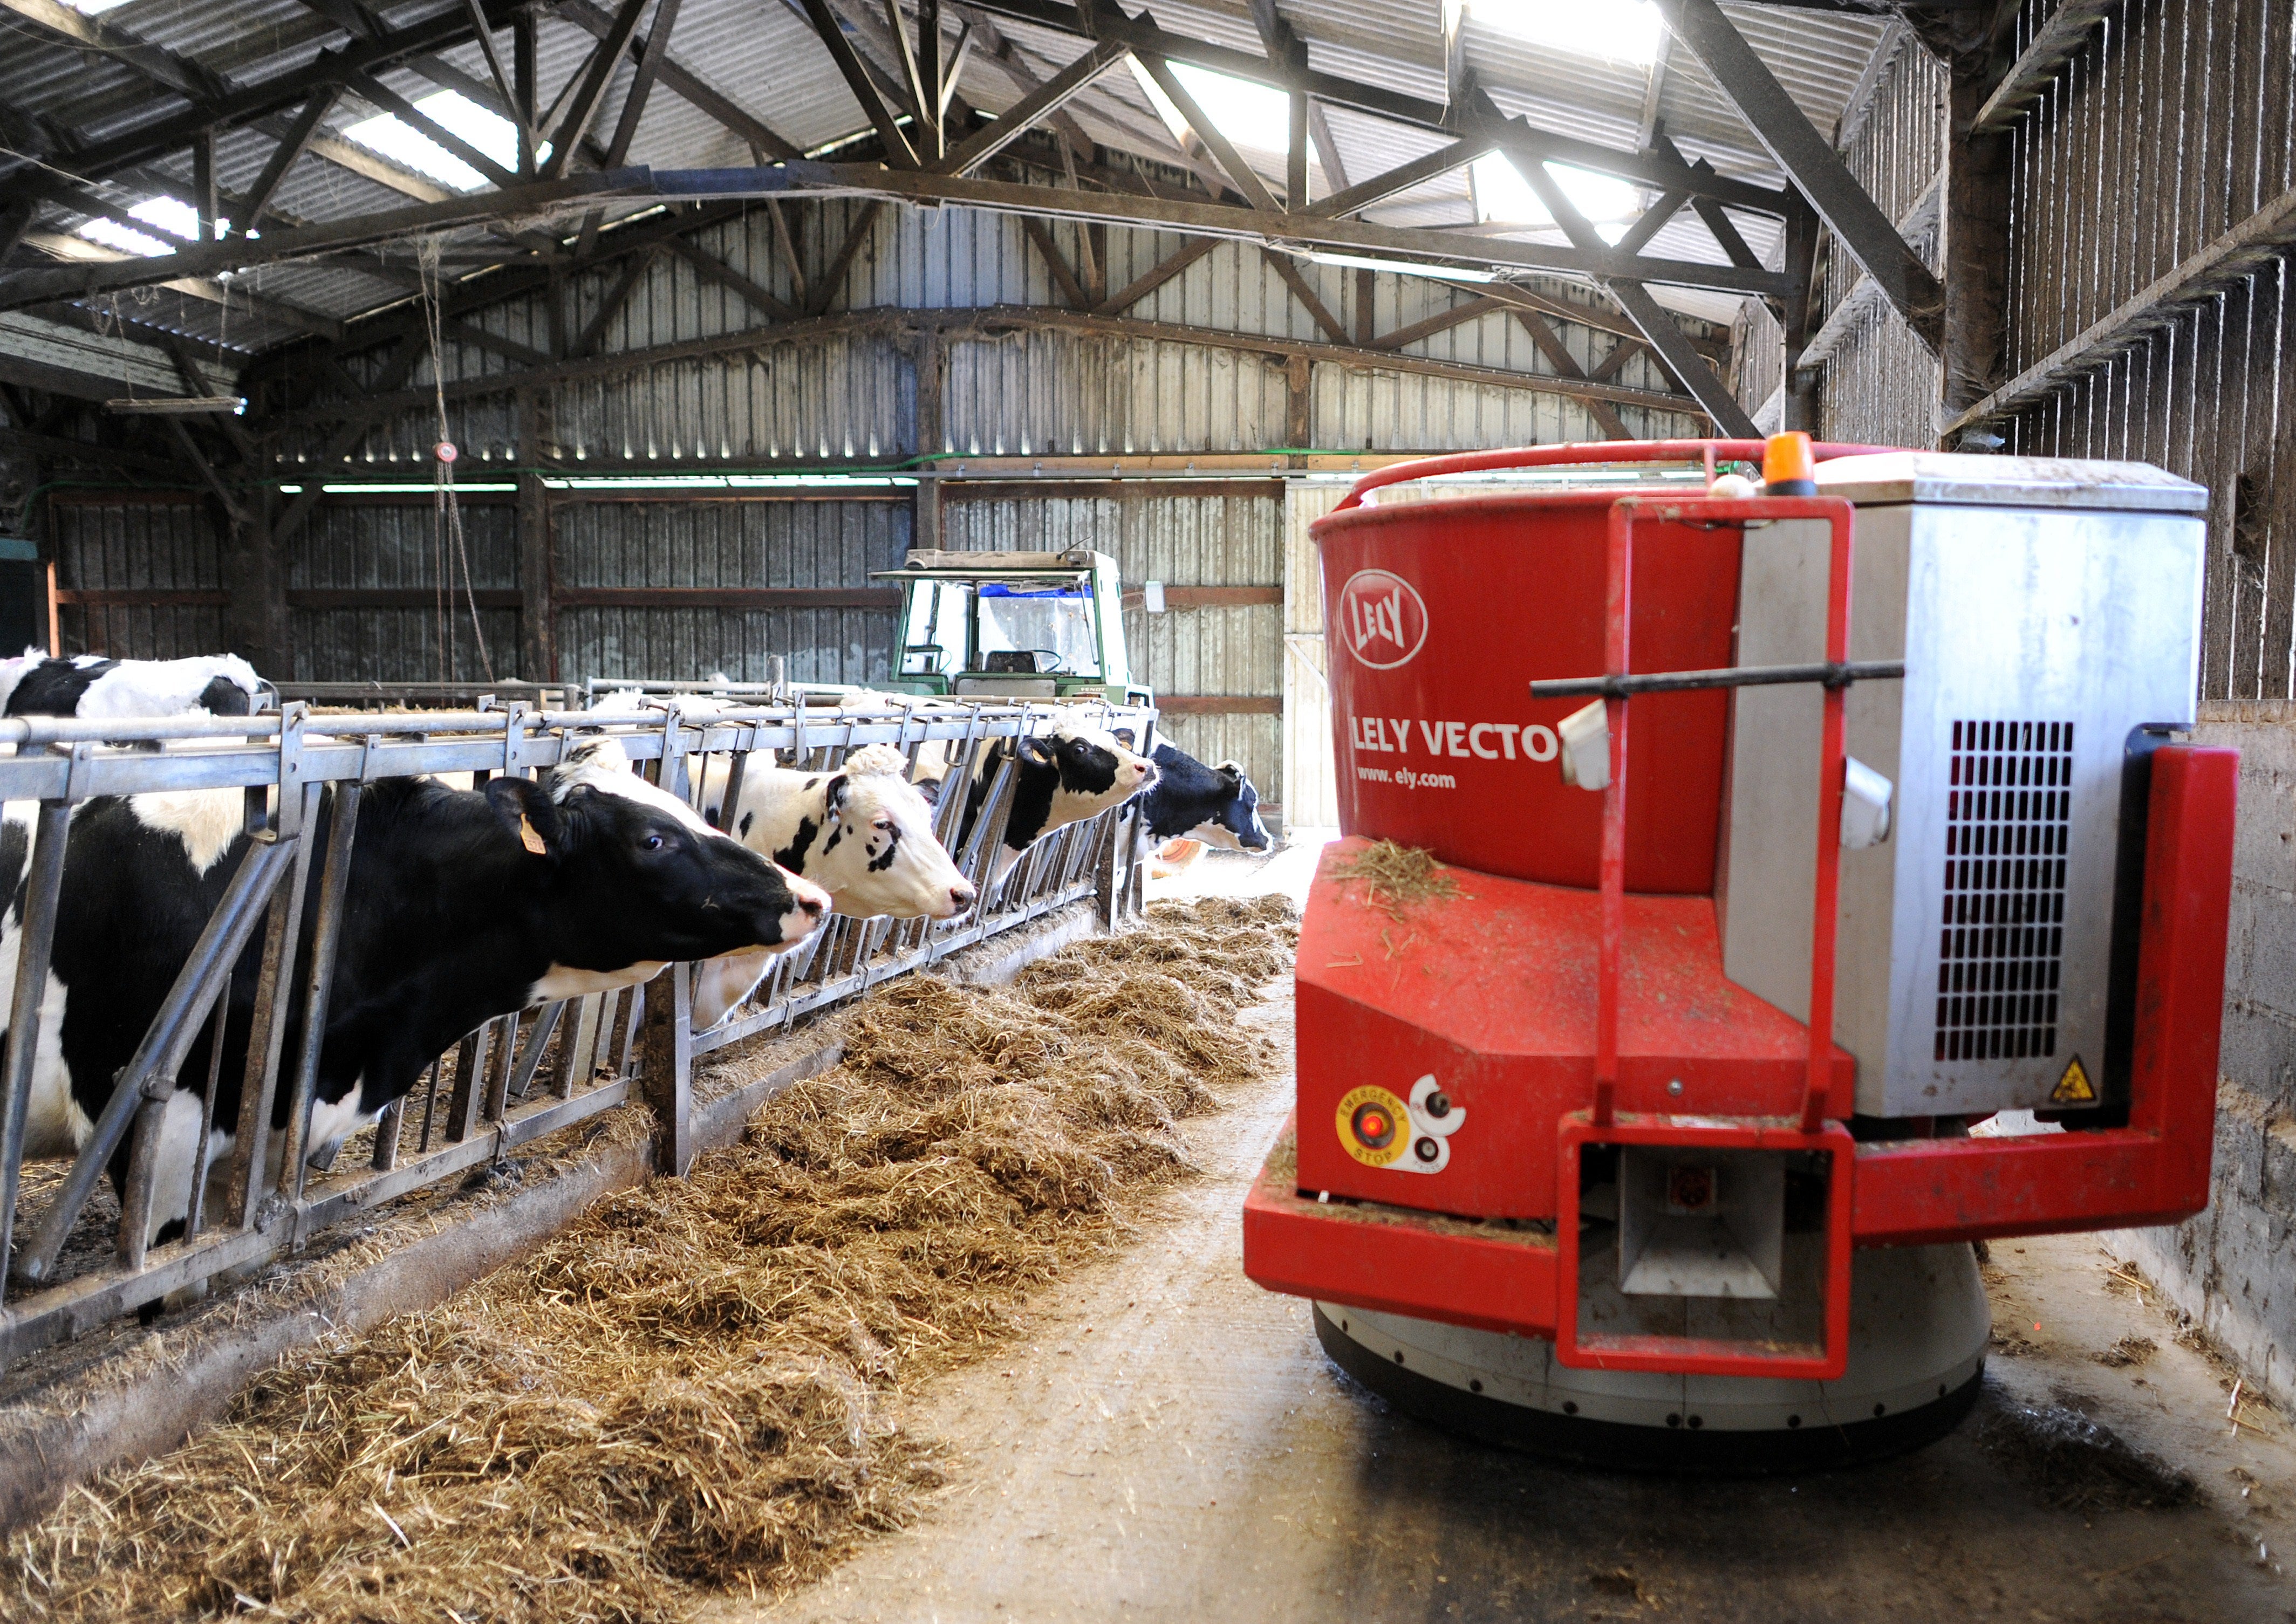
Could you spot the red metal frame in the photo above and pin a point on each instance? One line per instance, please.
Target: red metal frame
(1902, 1193)
(1704, 1356)
(1832, 751)
(1582, 454)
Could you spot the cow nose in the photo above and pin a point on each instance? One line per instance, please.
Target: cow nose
(963, 895)
(810, 906)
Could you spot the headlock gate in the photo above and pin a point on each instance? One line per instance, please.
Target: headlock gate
(491, 1092)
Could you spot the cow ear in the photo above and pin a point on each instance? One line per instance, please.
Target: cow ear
(1230, 771)
(1034, 752)
(838, 788)
(528, 812)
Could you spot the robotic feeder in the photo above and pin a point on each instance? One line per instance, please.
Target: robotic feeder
(1651, 1144)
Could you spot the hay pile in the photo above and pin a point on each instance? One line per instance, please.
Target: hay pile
(684, 1391)
(1396, 878)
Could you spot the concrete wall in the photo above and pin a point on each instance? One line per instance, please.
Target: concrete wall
(2230, 1267)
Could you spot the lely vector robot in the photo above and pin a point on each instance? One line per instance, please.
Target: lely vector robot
(1794, 835)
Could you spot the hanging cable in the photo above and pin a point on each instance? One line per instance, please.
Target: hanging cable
(447, 511)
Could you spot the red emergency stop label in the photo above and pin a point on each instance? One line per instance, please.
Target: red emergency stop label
(1382, 620)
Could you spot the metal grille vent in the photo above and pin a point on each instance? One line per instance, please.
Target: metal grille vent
(2009, 811)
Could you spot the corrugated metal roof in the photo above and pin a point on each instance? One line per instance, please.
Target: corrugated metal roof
(764, 58)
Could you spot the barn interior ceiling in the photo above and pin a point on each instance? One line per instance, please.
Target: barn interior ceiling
(211, 186)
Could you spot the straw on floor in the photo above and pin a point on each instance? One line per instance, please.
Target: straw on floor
(684, 1391)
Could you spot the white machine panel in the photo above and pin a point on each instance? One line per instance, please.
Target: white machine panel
(2044, 611)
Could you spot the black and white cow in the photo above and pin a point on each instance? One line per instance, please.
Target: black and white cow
(1073, 772)
(461, 906)
(91, 686)
(1216, 805)
(862, 833)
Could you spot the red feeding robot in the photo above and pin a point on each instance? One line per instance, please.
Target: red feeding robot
(1829, 887)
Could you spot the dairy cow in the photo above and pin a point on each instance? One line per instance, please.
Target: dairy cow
(1073, 772)
(1216, 805)
(861, 832)
(91, 686)
(461, 906)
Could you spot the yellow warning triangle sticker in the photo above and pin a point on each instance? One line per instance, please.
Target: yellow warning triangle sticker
(2073, 1088)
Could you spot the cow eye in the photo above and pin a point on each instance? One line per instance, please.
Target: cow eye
(653, 842)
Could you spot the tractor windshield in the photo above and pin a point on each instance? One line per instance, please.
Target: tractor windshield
(1054, 621)
(933, 634)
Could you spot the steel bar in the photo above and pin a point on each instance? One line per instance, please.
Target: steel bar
(43, 885)
(858, 80)
(326, 937)
(297, 809)
(463, 1099)
(388, 1129)
(1597, 258)
(590, 88)
(1414, 172)
(290, 147)
(498, 1068)
(1040, 104)
(518, 1079)
(218, 1029)
(1833, 676)
(1817, 170)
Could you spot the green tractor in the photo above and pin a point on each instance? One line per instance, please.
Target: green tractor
(1012, 626)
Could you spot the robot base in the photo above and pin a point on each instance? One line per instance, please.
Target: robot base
(1919, 1324)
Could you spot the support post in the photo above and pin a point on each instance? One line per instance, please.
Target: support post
(1799, 402)
(538, 628)
(1976, 233)
(666, 1078)
(254, 584)
(1298, 406)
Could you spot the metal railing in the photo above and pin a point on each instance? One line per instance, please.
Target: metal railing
(514, 1079)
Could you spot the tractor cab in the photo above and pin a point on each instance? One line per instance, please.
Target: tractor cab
(1012, 626)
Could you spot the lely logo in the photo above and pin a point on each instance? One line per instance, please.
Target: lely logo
(1382, 619)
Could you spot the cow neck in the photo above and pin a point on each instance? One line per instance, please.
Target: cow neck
(439, 881)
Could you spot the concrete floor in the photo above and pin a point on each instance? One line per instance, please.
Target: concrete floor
(1167, 1442)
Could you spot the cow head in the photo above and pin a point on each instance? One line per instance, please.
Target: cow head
(1097, 770)
(879, 856)
(635, 876)
(1236, 826)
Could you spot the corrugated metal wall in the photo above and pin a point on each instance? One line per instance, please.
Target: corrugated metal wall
(1226, 534)
(684, 543)
(1881, 386)
(2167, 131)
(156, 564)
(364, 599)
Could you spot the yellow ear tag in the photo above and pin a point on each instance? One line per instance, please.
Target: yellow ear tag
(528, 839)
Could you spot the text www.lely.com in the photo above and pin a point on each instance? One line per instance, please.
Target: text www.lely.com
(1408, 779)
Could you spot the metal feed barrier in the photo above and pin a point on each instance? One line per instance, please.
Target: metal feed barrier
(490, 1093)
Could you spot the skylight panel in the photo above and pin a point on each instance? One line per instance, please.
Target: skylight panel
(94, 8)
(1613, 30)
(489, 132)
(1403, 267)
(1502, 195)
(1254, 116)
(176, 219)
